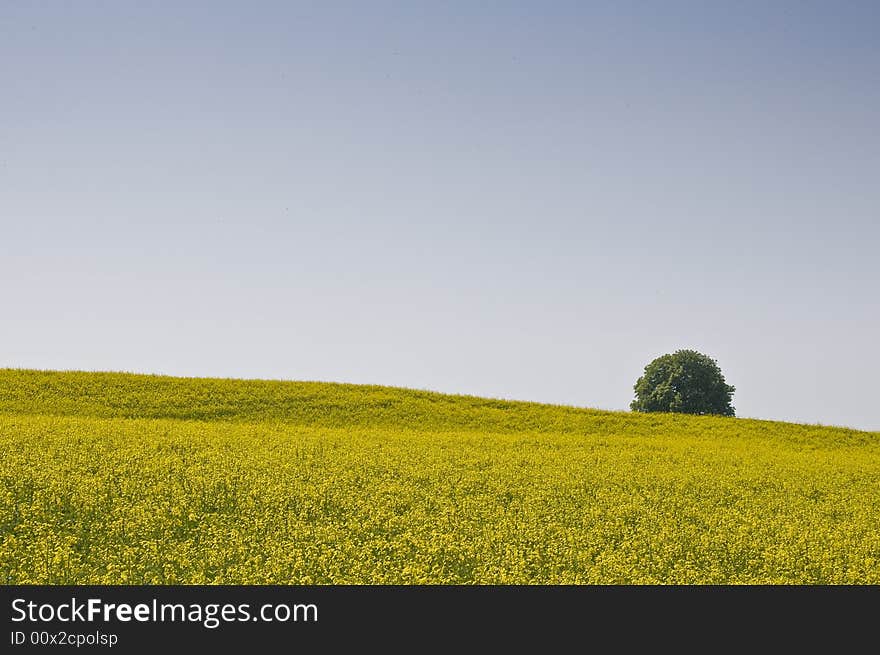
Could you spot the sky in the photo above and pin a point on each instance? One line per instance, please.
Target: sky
(524, 200)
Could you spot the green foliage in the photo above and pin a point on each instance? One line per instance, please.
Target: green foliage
(685, 382)
(125, 479)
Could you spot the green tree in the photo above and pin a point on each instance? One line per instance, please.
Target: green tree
(686, 382)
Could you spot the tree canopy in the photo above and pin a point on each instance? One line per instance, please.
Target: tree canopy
(686, 382)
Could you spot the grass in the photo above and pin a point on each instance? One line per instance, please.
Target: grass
(119, 478)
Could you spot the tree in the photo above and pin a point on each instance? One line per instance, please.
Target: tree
(686, 382)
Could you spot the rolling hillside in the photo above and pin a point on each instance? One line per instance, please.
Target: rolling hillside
(118, 478)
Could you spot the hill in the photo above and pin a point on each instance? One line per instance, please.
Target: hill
(120, 478)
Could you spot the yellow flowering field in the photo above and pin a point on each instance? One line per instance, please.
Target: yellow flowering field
(115, 478)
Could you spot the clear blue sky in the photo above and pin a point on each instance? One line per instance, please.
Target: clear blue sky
(525, 200)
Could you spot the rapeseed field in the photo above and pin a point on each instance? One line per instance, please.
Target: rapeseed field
(110, 478)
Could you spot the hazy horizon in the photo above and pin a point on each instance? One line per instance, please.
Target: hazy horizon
(525, 201)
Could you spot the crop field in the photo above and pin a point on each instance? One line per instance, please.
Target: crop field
(113, 478)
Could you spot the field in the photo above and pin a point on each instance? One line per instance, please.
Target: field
(117, 478)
